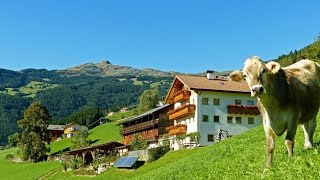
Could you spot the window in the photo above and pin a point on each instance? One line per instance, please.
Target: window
(216, 102)
(216, 118)
(250, 120)
(210, 137)
(205, 118)
(229, 119)
(238, 120)
(238, 102)
(250, 102)
(205, 101)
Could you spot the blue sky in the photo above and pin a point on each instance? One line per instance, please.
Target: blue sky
(170, 35)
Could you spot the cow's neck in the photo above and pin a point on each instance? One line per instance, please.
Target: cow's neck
(278, 90)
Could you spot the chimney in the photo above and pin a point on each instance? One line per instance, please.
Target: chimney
(210, 75)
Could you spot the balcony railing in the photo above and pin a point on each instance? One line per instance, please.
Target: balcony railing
(149, 135)
(181, 95)
(243, 109)
(177, 129)
(181, 111)
(139, 126)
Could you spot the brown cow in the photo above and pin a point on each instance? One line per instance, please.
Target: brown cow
(286, 96)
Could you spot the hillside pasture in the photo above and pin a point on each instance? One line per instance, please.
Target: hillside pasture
(26, 170)
(239, 157)
(101, 134)
(31, 89)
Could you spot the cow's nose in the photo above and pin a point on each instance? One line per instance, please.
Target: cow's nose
(257, 90)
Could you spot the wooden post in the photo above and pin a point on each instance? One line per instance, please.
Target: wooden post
(83, 157)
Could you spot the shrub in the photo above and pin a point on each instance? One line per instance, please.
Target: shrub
(138, 143)
(156, 153)
(9, 157)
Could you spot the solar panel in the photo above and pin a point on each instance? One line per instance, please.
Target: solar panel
(126, 162)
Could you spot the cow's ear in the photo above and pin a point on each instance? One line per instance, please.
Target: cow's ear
(236, 76)
(273, 67)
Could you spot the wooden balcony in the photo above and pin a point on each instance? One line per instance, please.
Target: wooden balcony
(177, 129)
(139, 127)
(182, 111)
(243, 109)
(181, 95)
(149, 135)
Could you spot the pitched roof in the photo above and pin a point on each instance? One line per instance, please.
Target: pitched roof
(105, 146)
(55, 127)
(202, 83)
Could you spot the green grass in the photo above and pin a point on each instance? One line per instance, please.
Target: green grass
(120, 116)
(101, 134)
(31, 89)
(138, 83)
(11, 91)
(239, 157)
(105, 133)
(11, 170)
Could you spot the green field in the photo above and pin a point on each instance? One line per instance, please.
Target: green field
(138, 83)
(104, 133)
(31, 89)
(11, 170)
(122, 116)
(239, 157)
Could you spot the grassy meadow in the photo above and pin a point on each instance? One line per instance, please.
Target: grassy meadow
(31, 89)
(25, 171)
(239, 157)
(101, 134)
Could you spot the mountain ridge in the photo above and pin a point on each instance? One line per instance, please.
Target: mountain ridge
(106, 68)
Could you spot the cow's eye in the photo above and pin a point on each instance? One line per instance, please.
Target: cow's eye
(244, 76)
(263, 70)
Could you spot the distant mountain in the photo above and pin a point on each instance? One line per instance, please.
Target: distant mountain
(105, 68)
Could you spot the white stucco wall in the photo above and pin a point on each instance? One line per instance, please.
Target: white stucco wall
(195, 124)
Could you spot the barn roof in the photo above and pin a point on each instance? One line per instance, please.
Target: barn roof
(55, 127)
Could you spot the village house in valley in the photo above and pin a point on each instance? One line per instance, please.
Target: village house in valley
(150, 125)
(207, 105)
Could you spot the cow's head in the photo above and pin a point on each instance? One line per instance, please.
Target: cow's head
(255, 72)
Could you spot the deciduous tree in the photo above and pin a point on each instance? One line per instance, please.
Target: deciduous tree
(148, 100)
(34, 136)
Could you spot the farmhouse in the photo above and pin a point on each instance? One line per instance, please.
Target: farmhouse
(56, 131)
(150, 125)
(206, 105)
(73, 128)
